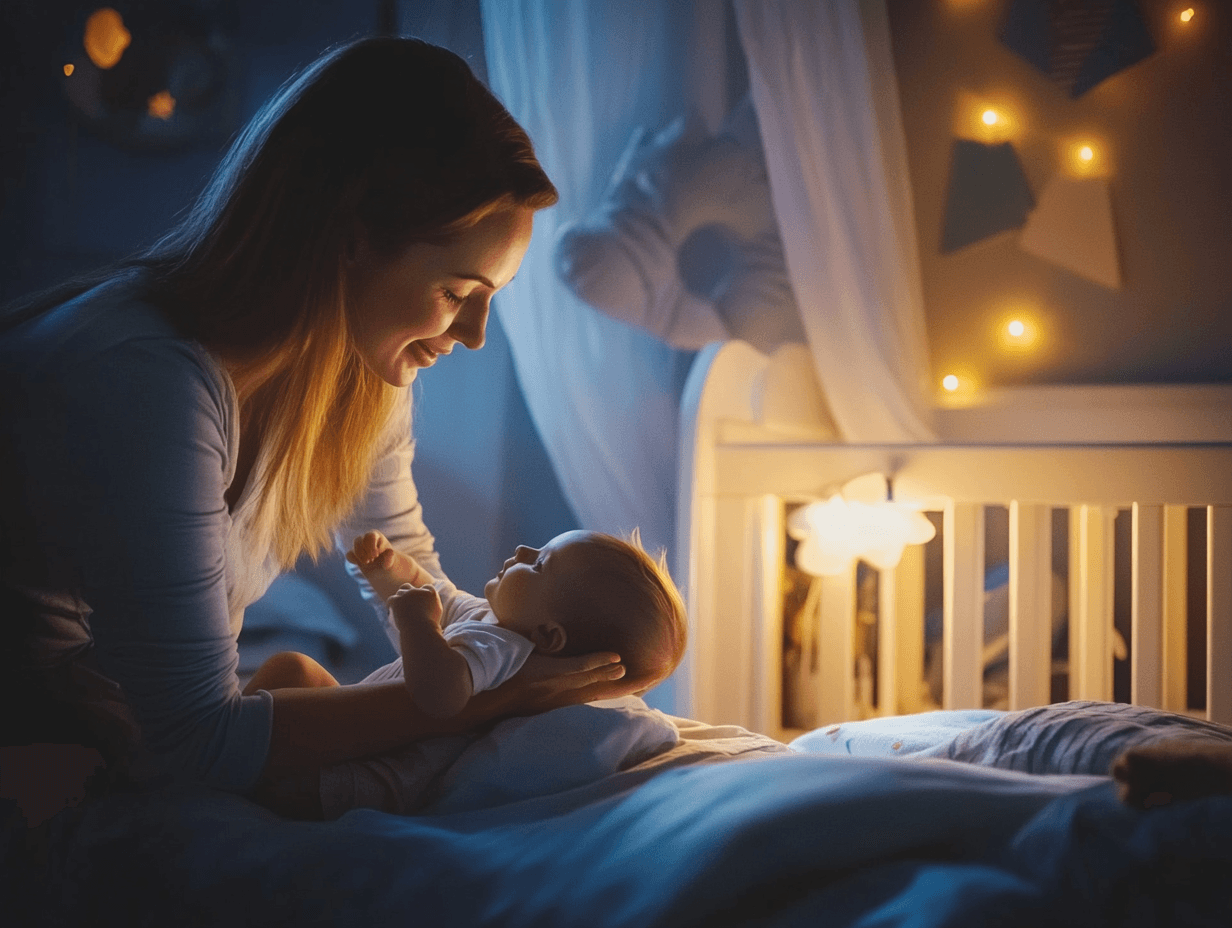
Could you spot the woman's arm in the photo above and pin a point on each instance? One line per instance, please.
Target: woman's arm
(314, 728)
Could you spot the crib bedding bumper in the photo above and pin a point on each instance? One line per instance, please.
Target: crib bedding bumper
(722, 827)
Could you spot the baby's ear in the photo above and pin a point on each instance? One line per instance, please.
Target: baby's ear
(549, 637)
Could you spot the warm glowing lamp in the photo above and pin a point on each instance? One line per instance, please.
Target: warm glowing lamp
(106, 38)
(68, 70)
(1016, 328)
(950, 382)
(1187, 15)
(1085, 153)
(989, 117)
(835, 533)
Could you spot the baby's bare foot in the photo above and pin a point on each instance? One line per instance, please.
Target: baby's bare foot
(1158, 774)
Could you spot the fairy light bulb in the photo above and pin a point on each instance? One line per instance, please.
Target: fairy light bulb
(950, 382)
(989, 117)
(1016, 328)
(68, 70)
(1086, 153)
(1187, 14)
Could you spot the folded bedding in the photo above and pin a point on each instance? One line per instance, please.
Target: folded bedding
(706, 825)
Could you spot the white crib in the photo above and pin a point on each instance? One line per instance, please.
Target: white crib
(756, 437)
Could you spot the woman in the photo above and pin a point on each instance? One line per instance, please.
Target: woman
(179, 429)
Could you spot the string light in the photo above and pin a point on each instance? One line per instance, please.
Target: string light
(989, 117)
(1020, 331)
(1187, 15)
(1086, 158)
(68, 70)
(950, 382)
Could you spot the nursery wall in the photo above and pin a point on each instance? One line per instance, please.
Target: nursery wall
(1161, 134)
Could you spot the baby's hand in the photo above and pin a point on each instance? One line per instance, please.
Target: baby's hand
(413, 604)
(371, 551)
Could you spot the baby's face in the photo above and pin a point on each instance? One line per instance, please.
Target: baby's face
(531, 582)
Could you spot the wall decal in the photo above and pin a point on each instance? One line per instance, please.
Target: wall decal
(1078, 43)
(988, 193)
(1072, 227)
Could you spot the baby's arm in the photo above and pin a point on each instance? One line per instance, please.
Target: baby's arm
(383, 566)
(437, 676)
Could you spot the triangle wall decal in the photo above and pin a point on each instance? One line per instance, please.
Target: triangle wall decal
(988, 193)
(1072, 227)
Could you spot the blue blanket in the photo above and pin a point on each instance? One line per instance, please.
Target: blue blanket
(724, 828)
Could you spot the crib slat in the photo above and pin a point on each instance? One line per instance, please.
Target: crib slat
(1219, 614)
(767, 707)
(1176, 608)
(724, 680)
(889, 679)
(963, 606)
(1091, 565)
(900, 635)
(1147, 612)
(1030, 605)
(836, 650)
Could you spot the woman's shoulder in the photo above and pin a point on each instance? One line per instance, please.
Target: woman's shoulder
(111, 325)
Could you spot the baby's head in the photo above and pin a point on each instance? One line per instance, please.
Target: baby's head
(587, 591)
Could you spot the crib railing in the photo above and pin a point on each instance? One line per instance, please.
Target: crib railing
(739, 481)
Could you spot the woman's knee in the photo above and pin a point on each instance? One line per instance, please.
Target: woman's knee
(288, 669)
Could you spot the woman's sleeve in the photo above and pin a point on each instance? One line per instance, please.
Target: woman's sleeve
(127, 467)
(391, 505)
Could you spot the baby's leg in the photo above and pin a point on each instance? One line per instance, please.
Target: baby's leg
(289, 670)
(1157, 774)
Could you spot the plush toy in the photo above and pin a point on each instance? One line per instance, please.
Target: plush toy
(684, 243)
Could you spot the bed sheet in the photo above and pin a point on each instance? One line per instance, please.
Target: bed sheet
(724, 827)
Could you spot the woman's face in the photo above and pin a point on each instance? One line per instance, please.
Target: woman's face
(408, 310)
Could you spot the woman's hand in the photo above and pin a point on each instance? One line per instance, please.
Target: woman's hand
(546, 682)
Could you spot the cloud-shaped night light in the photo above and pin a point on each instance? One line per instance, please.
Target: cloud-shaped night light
(845, 528)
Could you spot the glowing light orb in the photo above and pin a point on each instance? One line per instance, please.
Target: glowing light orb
(106, 38)
(68, 70)
(835, 533)
(161, 105)
(950, 382)
(1187, 15)
(1086, 153)
(1016, 328)
(989, 117)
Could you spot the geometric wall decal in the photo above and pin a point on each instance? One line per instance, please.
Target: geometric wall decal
(988, 193)
(1072, 227)
(1078, 43)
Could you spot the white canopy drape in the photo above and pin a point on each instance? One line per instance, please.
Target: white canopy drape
(580, 77)
(822, 80)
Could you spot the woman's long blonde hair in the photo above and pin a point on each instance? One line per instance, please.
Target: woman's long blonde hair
(392, 139)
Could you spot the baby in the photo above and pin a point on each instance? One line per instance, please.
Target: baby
(581, 593)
